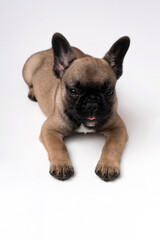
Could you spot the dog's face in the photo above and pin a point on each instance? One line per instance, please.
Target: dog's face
(88, 84)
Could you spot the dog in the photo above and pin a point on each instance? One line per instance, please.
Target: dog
(77, 94)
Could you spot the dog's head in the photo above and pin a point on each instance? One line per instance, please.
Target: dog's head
(88, 84)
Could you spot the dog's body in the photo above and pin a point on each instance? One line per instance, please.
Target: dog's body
(78, 96)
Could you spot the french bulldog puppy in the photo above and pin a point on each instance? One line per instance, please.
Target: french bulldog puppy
(77, 93)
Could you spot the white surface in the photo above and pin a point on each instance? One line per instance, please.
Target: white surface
(33, 205)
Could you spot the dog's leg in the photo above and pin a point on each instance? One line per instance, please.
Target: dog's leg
(28, 74)
(60, 164)
(108, 167)
(31, 95)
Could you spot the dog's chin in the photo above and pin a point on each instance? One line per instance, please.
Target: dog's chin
(90, 123)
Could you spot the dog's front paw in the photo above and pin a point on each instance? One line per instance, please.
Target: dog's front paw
(61, 172)
(107, 172)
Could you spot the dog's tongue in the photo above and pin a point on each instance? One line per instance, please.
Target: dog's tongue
(91, 118)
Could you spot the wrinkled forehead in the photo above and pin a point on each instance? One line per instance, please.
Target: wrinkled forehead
(89, 71)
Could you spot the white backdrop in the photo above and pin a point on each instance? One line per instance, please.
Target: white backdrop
(34, 205)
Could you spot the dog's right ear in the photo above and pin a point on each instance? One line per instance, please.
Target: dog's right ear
(63, 54)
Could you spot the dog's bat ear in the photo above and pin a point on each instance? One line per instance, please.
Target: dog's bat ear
(116, 55)
(63, 54)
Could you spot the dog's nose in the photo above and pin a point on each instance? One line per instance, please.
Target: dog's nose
(93, 97)
(92, 107)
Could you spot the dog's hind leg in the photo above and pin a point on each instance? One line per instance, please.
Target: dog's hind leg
(29, 70)
(27, 75)
(31, 95)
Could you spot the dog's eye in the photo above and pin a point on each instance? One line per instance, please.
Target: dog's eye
(109, 92)
(73, 92)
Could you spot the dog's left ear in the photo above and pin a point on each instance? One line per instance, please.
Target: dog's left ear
(63, 54)
(116, 55)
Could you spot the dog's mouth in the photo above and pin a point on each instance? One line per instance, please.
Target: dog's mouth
(91, 118)
(90, 121)
(95, 121)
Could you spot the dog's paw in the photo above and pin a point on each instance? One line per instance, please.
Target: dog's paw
(61, 172)
(107, 173)
(31, 95)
